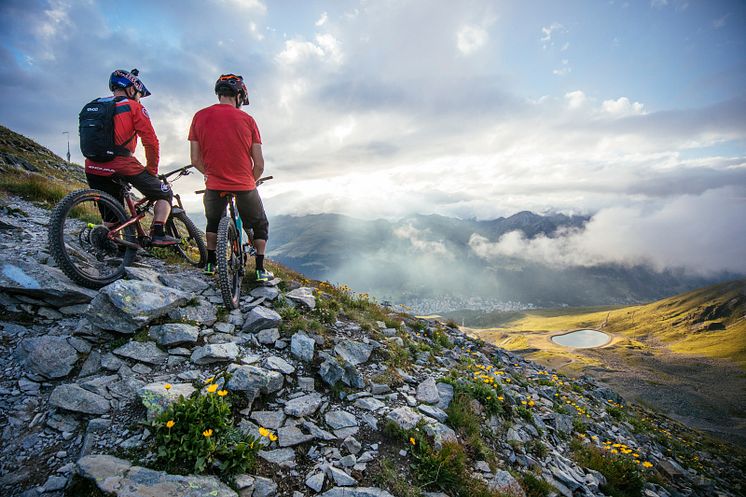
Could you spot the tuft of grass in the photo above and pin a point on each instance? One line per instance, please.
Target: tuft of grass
(535, 486)
(36, 188)
(387, 476)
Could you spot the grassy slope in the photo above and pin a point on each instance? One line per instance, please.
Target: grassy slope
(677, 322)
(49, 184)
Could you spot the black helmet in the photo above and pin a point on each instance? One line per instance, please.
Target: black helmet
(235, 85)
(121, 79)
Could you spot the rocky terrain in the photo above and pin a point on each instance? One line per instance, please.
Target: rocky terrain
(359, 399)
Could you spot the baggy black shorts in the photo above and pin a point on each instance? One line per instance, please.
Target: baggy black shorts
(148, 185)
(250, 209)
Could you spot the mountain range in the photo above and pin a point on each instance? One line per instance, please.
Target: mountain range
(429, 263)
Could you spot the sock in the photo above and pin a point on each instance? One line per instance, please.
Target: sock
(211, 257)
(158, 229)
(259, 262)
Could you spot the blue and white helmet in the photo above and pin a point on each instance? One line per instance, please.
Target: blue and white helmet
(121, 79)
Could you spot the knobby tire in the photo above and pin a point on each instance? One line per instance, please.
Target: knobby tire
(57, 232)
(194, 234)
(230, 283)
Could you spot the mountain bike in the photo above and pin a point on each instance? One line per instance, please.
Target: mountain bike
(232, 252)
(93, 239)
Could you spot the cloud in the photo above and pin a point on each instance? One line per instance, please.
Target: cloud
(622, 107)
(470, 39)
(703, 233)
(322, 20)
(549, 33)
(564, 70)
(575, 99)
(417, 240)
(720, 22)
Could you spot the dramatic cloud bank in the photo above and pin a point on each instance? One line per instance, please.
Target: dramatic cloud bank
(704, 234)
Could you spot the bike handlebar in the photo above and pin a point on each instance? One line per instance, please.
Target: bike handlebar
(258, 182)
(181, 170)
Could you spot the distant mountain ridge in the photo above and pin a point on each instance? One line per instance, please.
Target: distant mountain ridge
(429, 256)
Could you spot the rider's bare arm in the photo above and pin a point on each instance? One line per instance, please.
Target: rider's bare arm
(196, 156)
(258, 159)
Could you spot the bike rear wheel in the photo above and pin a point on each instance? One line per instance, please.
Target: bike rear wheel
(230, 267)
(192, 245)
(79, 241)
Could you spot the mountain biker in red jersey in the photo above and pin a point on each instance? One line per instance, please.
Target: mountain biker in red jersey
(131, 121)
(227, 148)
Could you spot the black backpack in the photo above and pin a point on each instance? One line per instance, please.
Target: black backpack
(97, 131)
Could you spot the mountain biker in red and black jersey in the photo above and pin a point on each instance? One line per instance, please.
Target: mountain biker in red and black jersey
(131, 121)
(227, 148)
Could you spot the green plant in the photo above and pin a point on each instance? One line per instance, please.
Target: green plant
(535, 486)
(524, 413)
(623, 476)
(462, 418)
(487, 394)
(536, 447)
(197, 434)
(387, 476)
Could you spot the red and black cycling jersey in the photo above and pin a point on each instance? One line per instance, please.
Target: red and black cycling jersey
(130, 119)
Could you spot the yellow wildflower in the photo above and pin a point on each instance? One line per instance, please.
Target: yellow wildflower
(207, 433)
(647, 464)
(212, 388)
(167, 386)
(263, 431)
(412, 441)
(523, 402)
(210, 379)
(222, 393)
(500, 398)
(272, 437)
(170, 423)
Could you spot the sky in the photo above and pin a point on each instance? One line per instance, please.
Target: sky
(633, 112)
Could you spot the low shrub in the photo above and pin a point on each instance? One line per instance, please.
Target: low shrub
(535, 486)
(623, 475)
(196, 434)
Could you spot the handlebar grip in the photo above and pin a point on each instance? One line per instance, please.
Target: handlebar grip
(200, 192)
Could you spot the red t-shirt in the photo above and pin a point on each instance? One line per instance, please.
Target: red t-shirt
(225, 135)
(130, 117)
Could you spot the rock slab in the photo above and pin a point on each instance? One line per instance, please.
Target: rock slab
(128, 305)
(122, 479)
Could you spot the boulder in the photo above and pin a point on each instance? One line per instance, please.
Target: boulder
(331, 372)
(156, 398)
(279, 364)
(302, 346)
(260, 318)
(356, 492)
(265, 292)
(48, 356)
(304, 405)
(28, 277)
(427, 392)
(128, 305)
(203, 312)
(302, 295)
(506, 483)
(183, 282)
(268, 336)
(269, 419)
(172, 334)
(340, 419)
(253, 381)
(72, 397)
(146, 352)
(120, 478)
(215, 352)
(404, 417)
(354, 352)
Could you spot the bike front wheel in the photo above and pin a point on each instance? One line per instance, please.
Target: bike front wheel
(191, 244)
(79, 238)
(230, 259)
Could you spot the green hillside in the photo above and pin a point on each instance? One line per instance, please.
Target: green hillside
(709, 321)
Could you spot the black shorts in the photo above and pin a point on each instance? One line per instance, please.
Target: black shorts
(250, 209)
(148, 185)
